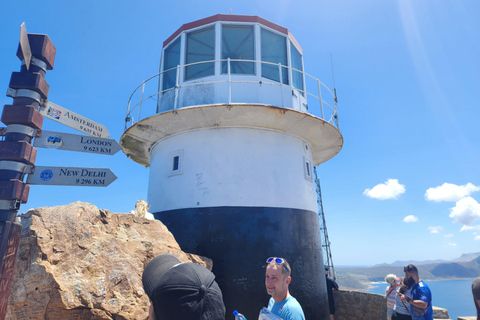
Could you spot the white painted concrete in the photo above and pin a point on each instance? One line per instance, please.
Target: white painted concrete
(231, 167)
(325, 139)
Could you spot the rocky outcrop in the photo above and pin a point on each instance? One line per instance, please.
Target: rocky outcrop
(81, 262)
(440, 313)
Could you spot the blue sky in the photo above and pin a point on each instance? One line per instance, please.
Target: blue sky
(407, 76)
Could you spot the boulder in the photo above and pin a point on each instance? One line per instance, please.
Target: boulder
(81, 262)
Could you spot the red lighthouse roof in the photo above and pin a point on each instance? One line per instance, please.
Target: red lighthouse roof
(232, 18)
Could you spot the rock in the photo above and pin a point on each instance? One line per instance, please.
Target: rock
(440, 313)
(81, 262)
(141, 210)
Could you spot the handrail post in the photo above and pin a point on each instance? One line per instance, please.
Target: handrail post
(229, 82)
(335, 100)
(281, 82)
(141, 100)
(320, 98)
(177, 80)
(127, 115)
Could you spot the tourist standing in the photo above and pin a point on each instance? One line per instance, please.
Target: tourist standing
(401, 310)
(277, 280)
(181, 291)
(421, 300)
(476, 295)
(331, 285)
(391, 292)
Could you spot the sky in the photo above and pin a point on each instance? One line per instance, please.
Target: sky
(405, 186)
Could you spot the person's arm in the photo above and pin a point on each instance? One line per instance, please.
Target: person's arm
(417, 303)
(421, 303)
(335, 285)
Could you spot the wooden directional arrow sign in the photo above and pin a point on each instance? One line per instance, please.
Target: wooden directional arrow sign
(66, 176)
(76, 142)
(73, 120)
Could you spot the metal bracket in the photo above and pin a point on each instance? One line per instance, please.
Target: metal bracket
(37, 62)
(20, 128)
(24, 93)
(15, 166)
(10, 205)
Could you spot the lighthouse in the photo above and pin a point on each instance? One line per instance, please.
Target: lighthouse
(231, 135)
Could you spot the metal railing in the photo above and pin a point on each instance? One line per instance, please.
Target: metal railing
(146, 94)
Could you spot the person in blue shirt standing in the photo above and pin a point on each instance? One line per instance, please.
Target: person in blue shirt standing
(277, 280)
(421, 301)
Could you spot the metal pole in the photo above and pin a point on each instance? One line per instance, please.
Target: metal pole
(127, 116)
(281, 83)
(229, 82)
(140, 104)
(320, 98)
(177, 80)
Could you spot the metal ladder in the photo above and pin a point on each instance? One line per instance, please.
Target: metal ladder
(327, 253)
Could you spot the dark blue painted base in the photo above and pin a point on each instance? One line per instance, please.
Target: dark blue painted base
(240, 239)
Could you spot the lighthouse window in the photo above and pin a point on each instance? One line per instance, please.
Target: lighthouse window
(297, 77)
(238, 43)
(308, 169)
(171, 60)
(176, 165)
(274, 49)
(200, 47)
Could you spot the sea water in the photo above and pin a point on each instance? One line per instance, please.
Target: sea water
(453, 295)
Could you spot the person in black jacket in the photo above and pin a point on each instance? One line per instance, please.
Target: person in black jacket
(331, 285)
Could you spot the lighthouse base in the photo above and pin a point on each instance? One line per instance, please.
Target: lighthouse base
(240, 239)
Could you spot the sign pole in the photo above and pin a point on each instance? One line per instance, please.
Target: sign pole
(28, 89)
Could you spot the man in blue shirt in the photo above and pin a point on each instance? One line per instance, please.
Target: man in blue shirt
(421, 301)
(277, 280)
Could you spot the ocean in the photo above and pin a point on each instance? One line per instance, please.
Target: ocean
(453, 295)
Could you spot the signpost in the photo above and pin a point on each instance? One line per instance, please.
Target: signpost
(73, 120)
(29, 91)
(75, 142)
(68, 176)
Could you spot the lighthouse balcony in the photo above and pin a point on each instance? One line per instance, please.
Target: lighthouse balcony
(276, 86)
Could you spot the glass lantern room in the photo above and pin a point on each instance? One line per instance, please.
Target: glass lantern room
(230, 59)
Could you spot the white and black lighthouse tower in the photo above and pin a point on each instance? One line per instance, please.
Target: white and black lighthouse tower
(231, 135)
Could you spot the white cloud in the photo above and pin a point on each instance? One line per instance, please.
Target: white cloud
(436, 229)
(470, 228)
(391, 189)
(466, 211)
(452, 244)
(450, 192)
(409, 219)
(448, 235)
(477, 238)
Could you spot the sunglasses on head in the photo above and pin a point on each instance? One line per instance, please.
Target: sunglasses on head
(279, 261)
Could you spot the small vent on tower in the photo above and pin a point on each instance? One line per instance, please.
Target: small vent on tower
(176, 163)
(308, 168)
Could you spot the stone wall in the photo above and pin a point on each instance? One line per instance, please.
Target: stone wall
(357, 305)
